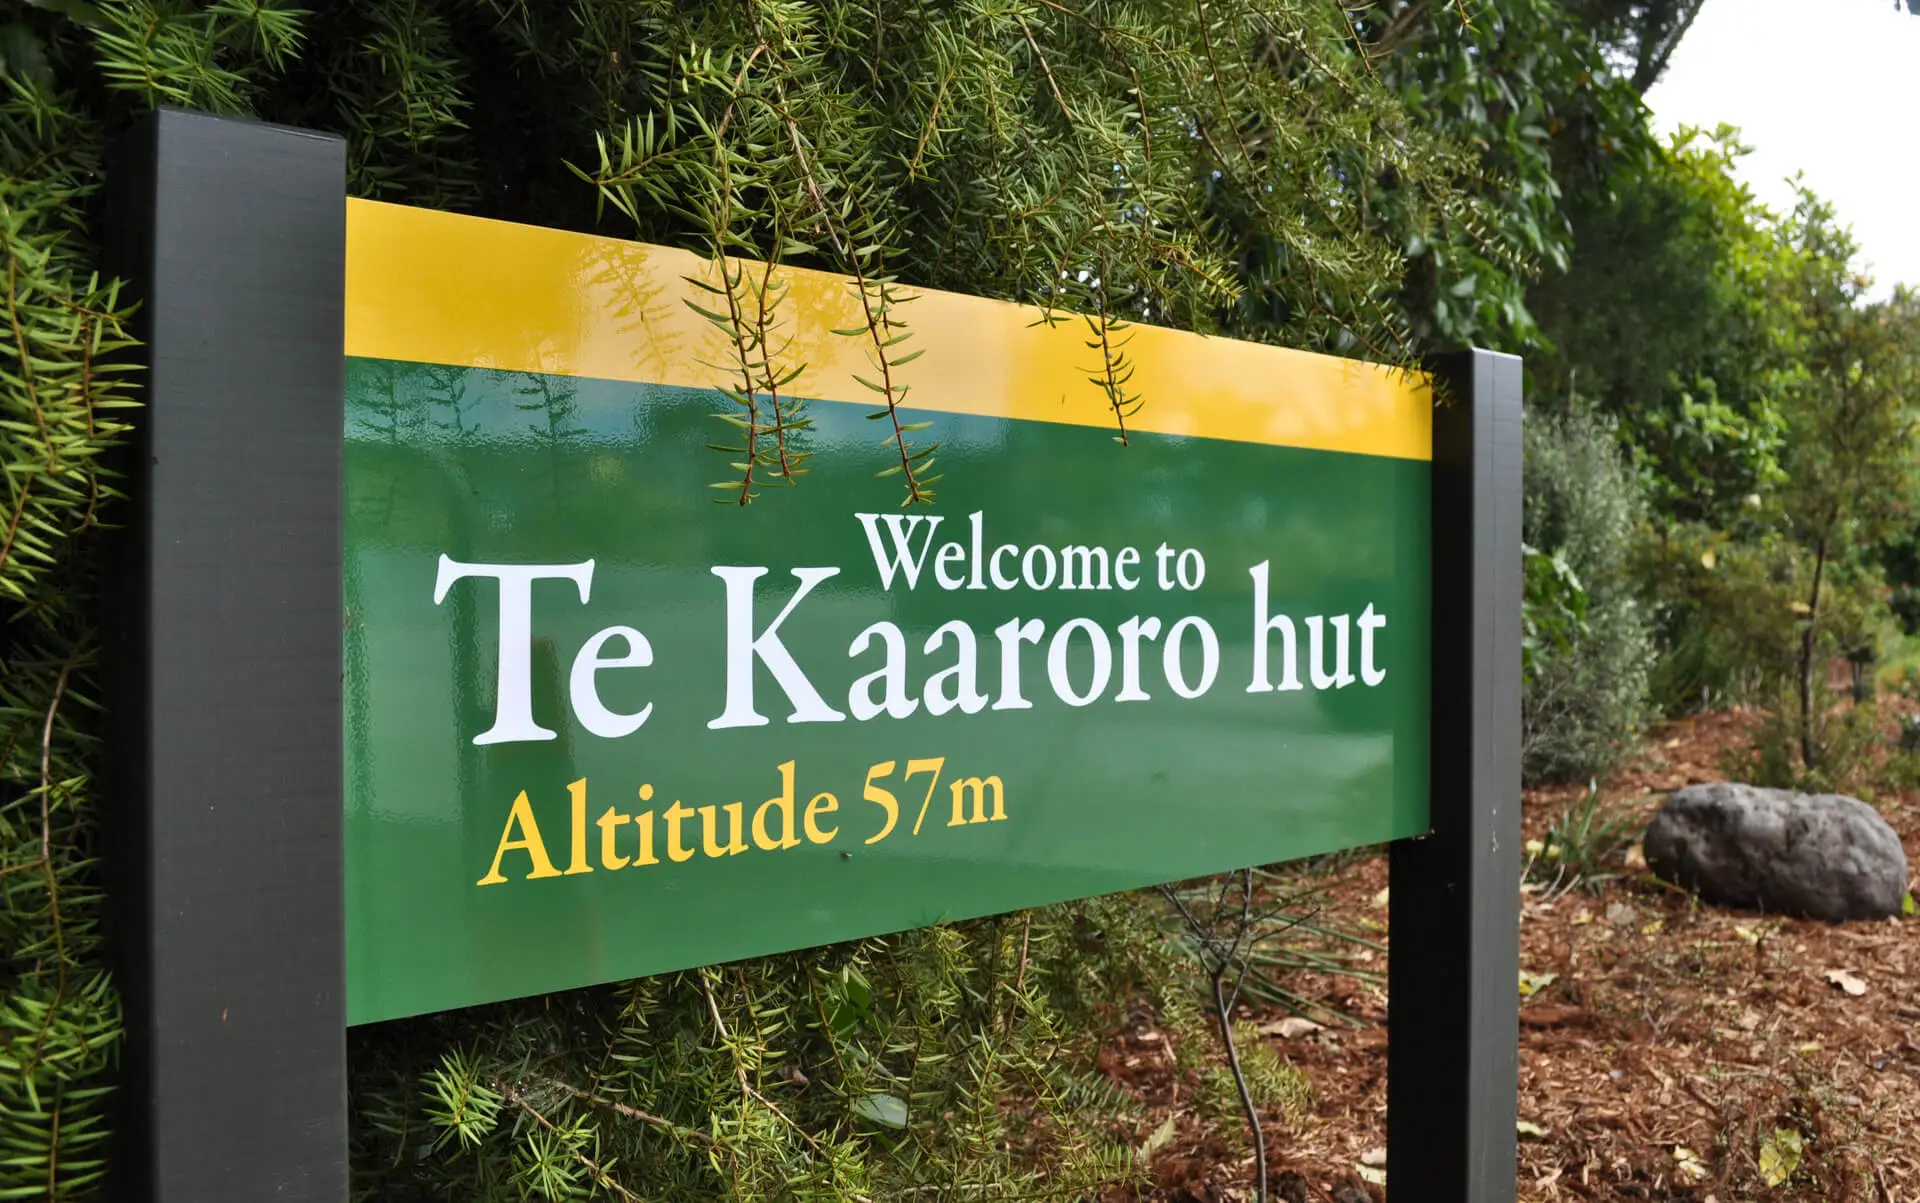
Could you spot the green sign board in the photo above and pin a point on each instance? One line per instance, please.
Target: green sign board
(469, 577)
(598, 726)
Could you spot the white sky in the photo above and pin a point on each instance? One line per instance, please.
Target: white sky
(1828, 88)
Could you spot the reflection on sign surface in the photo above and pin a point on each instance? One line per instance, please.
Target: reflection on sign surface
(599, 726)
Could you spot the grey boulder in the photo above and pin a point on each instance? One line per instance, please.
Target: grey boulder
(1816, 856)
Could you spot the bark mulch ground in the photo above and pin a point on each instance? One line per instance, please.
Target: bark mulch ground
(1667, 1049)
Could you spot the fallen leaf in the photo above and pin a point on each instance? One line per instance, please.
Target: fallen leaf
(1529, 1128)
(1844, 979)
(1653, 928)
(1747, 933)
(1374, 1156)
(1291, 1028)
(1376, 1176)
(1908, 906)
(1780, 1155)
(1636, 858)
(1582, 917)
(1158, 1138)
(1533, 983)
(1620, 914)
(1380, 900)
(1689, 1162)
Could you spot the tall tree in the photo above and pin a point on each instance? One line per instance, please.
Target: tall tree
(1643, 34)
(1535, 96)
(1675, 319)
(1850, 461)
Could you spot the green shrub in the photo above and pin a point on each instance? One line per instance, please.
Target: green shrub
(1584, 844)
(1851, 753)
(1731, 613)
(1723, 610)
(1553, 615)
(1589, 647)
(877, 1069)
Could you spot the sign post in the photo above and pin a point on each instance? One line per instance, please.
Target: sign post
(227, 892)
(463, 690)
(1454, 896)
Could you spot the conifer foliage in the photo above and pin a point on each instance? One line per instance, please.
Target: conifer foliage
(1258, 169)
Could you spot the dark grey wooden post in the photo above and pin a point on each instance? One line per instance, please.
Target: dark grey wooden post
(227, 874)
(1453, 1009)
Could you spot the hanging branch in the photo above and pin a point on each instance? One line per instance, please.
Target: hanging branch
(1115, 368)
(750, 323)
(788, 419)
(740, 340)
(749, 326)
(878, 298)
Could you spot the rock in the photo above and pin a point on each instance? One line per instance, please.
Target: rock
(1818, 856)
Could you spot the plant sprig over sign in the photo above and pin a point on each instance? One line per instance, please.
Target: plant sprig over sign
(883, 331)
(766, 421)
(1229, 168)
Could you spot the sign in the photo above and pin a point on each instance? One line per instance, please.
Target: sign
(1294, 625)
(599, 726)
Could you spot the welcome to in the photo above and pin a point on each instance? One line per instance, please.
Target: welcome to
(900, 546)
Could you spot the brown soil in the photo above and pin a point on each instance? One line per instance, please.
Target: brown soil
(1673, 1041)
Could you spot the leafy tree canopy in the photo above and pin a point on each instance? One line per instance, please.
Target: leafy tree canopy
(1677, 318)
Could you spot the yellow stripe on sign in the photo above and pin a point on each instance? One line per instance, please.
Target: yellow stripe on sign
(432, 287)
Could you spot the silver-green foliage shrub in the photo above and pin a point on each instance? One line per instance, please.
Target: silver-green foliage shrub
(1586, 692)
